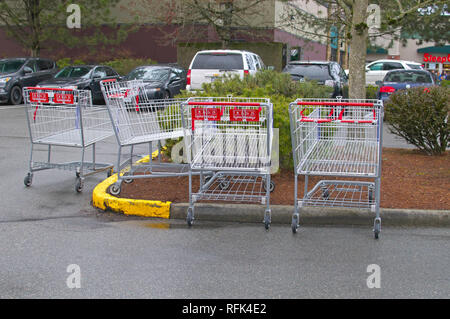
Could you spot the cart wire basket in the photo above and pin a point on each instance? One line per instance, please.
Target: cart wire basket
(65, 117)
(228, 142)
(140, 120)
(340, 138)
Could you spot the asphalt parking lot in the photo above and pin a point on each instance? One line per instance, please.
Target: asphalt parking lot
(47, 227)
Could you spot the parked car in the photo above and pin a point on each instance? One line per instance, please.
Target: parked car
(209, 65)
(401, 80)
(17, 73)
(326, 73)
(162, 82)
(377, 70)
(83, 77)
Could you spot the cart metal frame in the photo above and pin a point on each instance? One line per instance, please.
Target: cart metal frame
(137, 120)
(341, 138)
(231, 139)
(65, 117)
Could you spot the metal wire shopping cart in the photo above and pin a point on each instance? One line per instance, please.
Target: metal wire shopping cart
(232, 138)
(139, 120)
(340, 138)
(65, 117)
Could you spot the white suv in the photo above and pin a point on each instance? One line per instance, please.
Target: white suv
(376, 70)
(209, 65)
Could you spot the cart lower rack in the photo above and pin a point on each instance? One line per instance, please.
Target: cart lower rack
(231, 139)
(340, 138)
(139, 120)
(65, 117)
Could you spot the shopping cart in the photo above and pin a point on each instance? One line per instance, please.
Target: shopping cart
(138, 120)
(232, 139)
(65, 117)
(342, 138)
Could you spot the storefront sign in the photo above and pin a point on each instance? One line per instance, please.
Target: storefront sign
(439, 59)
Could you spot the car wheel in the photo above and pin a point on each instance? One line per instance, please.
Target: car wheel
(166, 95)
(15, 96)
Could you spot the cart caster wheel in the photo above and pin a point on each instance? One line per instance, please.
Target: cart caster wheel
(79, 185)
(267, 220)
(114, 189)
(272, 186)
(377, 228)
(28, 180)
(109, 173)
(127, 180)
(370, 195)
(325, 193)
(294, 224)
(190, 217)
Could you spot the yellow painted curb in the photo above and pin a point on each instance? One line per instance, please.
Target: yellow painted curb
(137, 207)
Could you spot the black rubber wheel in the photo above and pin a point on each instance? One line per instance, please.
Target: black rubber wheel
(294, 224)
(224, 185)
(272, 186)
(370, 195)
(325, 193)
(266, 224)
(28, 180)
(190, 217)
(166, 95)
(79, 185)
(114, 189)
(294, 228)
(15, 96)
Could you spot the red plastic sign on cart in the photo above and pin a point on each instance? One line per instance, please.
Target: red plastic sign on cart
(63, 98)
(38, 97)
(247, 115)
(208, 114)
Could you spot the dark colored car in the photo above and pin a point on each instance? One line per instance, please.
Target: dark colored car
(162, 82)
(17, 73)
(401, 80)
(83, 77)
(326, 73)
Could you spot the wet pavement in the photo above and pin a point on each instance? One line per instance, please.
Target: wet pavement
(47, 227)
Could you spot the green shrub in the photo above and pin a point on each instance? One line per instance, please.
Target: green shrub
(62, 63)
(280, 89)
(122, 66)
(125, 66)
(421, 117)
(445, 83)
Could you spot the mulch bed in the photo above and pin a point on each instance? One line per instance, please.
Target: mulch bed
(410, 179)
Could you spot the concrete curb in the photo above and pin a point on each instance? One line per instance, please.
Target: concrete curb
(145, 208)
(282, 214)
(244, 213)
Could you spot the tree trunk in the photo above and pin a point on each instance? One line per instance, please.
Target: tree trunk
(358, 50)
(328, 33)
(33, 7)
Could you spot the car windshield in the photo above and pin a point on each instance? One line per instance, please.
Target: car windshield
(10, 66)
(149, 74)
(408, 77)
(309, 71)
(74, 72)
(218, 61)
